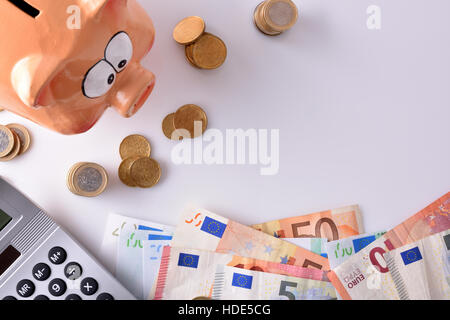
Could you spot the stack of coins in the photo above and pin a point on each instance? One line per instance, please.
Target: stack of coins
(15, 140)
(273, 17)
(87, 179)
(190, 121)
(137, 168)
(203, 50)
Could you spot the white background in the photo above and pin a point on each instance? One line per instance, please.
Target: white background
(363, 118)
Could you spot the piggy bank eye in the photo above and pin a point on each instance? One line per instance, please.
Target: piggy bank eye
(119, 51)
(98, 80)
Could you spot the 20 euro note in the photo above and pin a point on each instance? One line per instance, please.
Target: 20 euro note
(332, 224)
(201, 229)
(421, 270)
(340, 250)
(366, 274)
(239, 284)
(189, 273)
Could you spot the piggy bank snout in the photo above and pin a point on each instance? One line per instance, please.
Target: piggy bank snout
(133, 90)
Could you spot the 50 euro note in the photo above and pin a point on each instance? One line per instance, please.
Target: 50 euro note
(421, 270)
(189, 273)
(366, 275)
(202, 229)
(238, 284)
(332, 224)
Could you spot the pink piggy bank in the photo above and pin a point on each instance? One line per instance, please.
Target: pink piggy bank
(63, 62)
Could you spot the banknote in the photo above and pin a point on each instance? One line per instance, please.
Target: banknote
(366, 275)
(332, 224)
(340, 250)
(114, 224)
(421, 270)
(130, 250)
(239, 284)
(316, 245)
(201, 229)
(152, 254)
(189, 273)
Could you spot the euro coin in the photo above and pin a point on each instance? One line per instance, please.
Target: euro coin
(14, 152)
(188, 52)
(168, 126)
(6, 141)
(273, 17)
(125, 171)
(186, 118)
(189, 30)
(23, 134)
(89, 180)
(135, 145)
(209, 52)
(145, 172)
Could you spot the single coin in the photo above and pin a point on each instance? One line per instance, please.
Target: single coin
(15, 151)
(186, 118)
(209, 51)
(6, 141)
(189, 57)
(135, 145)
(125, 171)
(145, 172)
(24, 136)
(90, 180)
(188, 30)
(281, 15)
(167, 125)
(202, 298)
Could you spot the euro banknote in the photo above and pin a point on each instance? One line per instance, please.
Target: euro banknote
(332, 224)
(201, 229)
(421, 270)
(189, 273)
(115, 223)
(238, 284)
(316, 245)
(366, 275)
(340, 250)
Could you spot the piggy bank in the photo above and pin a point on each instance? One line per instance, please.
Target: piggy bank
(64, 62)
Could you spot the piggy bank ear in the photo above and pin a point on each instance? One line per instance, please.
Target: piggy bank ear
(30, 75)
(95, 6)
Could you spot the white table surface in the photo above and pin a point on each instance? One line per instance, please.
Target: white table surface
(363, 118)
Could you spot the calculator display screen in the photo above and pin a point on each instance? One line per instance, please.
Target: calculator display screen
(4, 219)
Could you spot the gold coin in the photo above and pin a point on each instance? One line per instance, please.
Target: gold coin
(188, 52)
(23, 134)
(171, 132)
(15, 151)
(209, 52)
(145, 172)
(135, 145)
(124, 171)
(6, 141)
(188, 30)
(89, 180)
(202, 298)
(187, 116)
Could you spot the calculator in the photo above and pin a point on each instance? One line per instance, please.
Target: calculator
(40, 261)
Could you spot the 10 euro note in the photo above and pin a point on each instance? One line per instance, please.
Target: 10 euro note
(189, 273)
(366, 275)
(421, 270)
(332, 224)
(201, 229)
(239, 284)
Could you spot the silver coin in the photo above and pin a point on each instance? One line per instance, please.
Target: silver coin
(4, 141)
(281, 13)
(89, 179)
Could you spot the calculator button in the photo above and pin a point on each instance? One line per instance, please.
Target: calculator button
(41, 271)
(73, 271)
(73, 297)
(57, 255)
(41, 297)
(25, 288)
(105, 296)
(9, 298)
(89, 286)
(57, 287)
